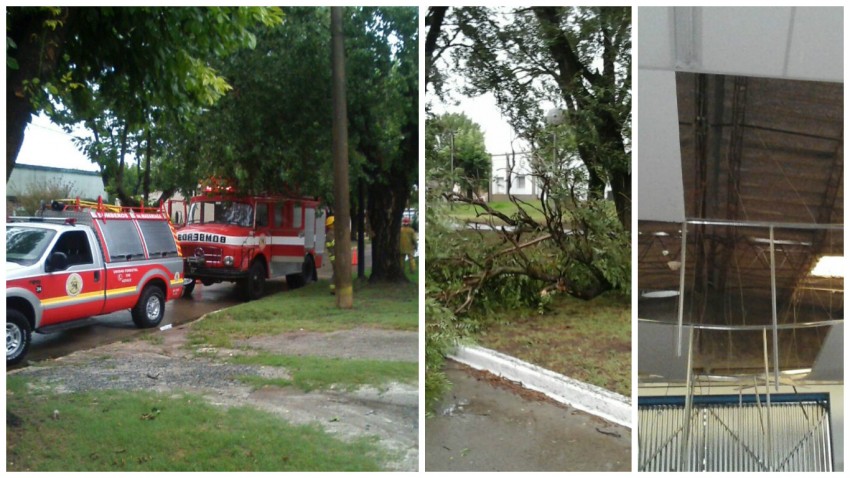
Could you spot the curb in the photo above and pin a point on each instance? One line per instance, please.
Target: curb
(588, 398)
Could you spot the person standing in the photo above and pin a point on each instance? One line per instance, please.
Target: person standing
(329, 248)
(407, 245)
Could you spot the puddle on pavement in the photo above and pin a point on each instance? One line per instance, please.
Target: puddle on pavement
(482, 427)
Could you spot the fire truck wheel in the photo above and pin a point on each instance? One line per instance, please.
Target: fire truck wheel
(18, 336)
(308, 270)
(150, 309)
(255, 285)
(188, 288)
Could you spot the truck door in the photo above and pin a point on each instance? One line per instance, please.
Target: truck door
(79, 290)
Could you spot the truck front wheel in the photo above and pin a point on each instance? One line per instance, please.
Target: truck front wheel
(150, 309)
(18, 336)
(255, 285)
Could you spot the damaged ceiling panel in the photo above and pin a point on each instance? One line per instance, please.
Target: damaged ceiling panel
(761, 149)
(754, 152)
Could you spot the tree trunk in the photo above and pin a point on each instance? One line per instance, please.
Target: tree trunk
(342, 221)
(146, 185)
(604, 124)
(621, 187)
(124, 198)
(434, 21)
(386, 206)
(37, 53)
(387, 201)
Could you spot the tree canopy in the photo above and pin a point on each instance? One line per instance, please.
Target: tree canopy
(274, 128)
(172, 95)
(577, 58)
(569, 238)
(118, 64)
(455, 145)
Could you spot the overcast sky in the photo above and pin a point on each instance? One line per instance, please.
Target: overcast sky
(483, 111)
(45, 144)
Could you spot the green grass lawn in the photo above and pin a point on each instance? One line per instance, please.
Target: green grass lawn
(312, 309)
(586, 340)
(145, 431)
(470, 213)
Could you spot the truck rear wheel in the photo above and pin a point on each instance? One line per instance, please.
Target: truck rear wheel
(18, 336)
(255, 285)
(308, 270)
(150, 309)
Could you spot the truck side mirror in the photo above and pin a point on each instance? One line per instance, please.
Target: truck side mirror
(58, 261)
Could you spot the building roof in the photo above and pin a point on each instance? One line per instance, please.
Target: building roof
(50, 169)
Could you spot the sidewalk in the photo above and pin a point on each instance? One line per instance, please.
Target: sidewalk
(488, 424)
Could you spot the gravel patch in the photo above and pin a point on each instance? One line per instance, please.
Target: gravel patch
(147, 372)
(359, 343)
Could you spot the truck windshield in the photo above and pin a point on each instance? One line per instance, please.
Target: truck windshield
(221, 212)
(26, 245)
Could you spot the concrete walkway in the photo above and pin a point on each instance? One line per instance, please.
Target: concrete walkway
(489, 424)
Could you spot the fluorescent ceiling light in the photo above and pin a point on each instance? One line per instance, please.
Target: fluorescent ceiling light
(799, 371)
(829, 266)
(781, 242)
(660, 294)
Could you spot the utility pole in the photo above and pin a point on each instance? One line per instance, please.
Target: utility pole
(342, 222)
(452, 166)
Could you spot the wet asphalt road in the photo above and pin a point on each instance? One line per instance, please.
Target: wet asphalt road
(105, 329)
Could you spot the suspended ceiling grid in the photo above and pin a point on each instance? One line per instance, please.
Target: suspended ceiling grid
(754, 150)
(748, 148)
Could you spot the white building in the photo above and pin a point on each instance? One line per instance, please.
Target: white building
(27, 178)
(522, 183)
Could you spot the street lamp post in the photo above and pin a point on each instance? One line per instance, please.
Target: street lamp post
(452, 167)
(555, 117)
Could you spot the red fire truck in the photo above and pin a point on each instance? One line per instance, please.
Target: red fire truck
(248, 239)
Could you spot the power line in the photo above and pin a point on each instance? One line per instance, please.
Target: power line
(53, 130)
(526, 153)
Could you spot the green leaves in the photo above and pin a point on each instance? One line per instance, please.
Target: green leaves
(141, 68)
(11, 62)
(454, 144)
(578, 57)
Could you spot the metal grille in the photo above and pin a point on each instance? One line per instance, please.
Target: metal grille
(733, 433)
(211, 255)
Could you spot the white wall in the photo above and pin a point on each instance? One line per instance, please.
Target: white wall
(801, 43)
(499, 176)
(85, 184)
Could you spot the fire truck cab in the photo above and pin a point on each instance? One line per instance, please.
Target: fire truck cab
(248, 239)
